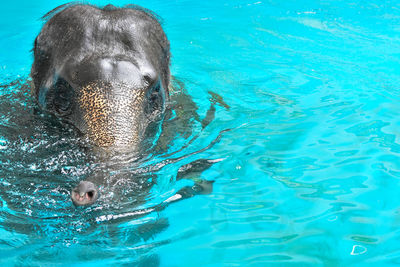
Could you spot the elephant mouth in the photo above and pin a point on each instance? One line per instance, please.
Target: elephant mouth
(113, 114)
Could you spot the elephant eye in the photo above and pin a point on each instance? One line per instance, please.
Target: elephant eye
(155, 94)
(63, 97)
(155, 99)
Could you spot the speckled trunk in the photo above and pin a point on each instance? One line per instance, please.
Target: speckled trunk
(113, 114)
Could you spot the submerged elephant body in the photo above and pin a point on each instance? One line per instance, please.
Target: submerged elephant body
(106, 71)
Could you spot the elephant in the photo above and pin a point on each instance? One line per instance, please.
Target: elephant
(106, 71)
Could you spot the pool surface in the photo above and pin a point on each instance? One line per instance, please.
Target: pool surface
(304, 145)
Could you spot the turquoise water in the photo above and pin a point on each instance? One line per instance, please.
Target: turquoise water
(308, 174)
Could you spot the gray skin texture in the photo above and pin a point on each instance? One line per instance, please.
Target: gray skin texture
(104, 70)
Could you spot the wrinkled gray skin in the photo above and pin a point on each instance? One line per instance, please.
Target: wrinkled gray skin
(106, 71)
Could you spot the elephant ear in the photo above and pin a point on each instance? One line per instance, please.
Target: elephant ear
(40, 67)
(42, 55)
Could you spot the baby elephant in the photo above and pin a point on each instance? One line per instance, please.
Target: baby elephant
(106, 71)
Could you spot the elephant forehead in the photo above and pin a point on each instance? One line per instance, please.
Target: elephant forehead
(108, 66)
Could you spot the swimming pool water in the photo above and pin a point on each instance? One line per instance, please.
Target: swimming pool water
(308, 174)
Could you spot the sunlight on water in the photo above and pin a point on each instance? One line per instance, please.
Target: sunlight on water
(298, 167)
